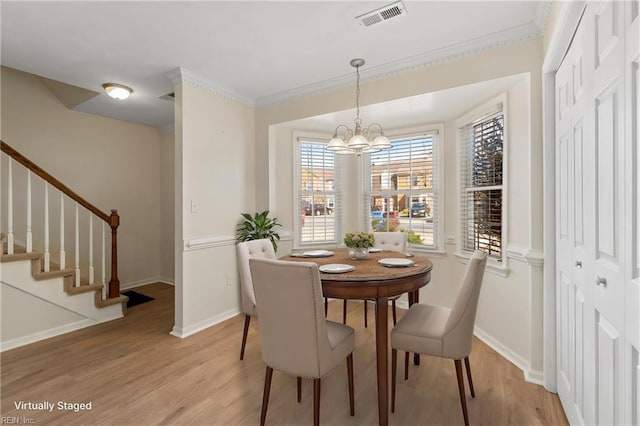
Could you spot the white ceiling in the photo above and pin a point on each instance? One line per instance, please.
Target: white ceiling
(263, 52)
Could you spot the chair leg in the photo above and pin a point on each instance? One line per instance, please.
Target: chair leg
(299, 389)
(466, 364)
(394, 367)
(326, 306)
(350, 378)
(365, 314)
(393, 311)
(316, 402)
(247, 320)
(463, 398)
(265, 395)
(344, 311)
(406, 365)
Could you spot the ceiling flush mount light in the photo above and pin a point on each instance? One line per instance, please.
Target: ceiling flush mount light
(358, 141)
(117, 91)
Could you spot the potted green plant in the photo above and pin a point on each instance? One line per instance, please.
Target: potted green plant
(257, 227)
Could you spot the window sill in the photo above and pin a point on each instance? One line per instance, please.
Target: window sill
(493, 266)
(427, 252)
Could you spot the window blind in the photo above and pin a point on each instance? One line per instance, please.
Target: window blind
(318, 193)
(401, 189)
(481, 178)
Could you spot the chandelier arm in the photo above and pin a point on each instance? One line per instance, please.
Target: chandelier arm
(375, 124)
(335, 133)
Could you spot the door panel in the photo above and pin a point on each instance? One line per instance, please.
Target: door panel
(606, 28)
(578, 179)
(608, 341)
(579, 352)
(606, 148)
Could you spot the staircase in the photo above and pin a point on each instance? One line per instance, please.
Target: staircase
(41, 296)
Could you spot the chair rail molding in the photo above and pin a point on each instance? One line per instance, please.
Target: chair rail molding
(201, 243)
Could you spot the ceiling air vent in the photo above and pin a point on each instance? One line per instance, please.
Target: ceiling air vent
(382, 14)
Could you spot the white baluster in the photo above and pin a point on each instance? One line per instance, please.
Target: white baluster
(90, 248)
(77, 248)
(47, 259)
(29, 233)
(63, 260)
(10, 209)
(102, 272)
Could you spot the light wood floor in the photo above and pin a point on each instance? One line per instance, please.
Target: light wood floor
(134, 373)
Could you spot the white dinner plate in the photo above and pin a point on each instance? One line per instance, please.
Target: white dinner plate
(395, 262)
(336, 268)
(317, 253)
(374, 250)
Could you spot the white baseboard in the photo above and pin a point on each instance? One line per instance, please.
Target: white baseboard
(531, 376)
(45, 334)
(139, 283)
(183, 332)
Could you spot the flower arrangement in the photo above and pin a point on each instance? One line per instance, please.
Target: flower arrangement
(359, 239)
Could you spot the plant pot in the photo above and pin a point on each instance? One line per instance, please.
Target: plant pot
(358, 253)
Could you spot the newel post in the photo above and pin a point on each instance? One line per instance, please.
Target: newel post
(114, 283)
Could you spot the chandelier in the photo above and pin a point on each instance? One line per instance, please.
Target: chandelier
(358, 141)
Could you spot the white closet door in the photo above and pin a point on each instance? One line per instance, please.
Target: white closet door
(571, 173)
(597, 220)
(607, 109)
(632, 291)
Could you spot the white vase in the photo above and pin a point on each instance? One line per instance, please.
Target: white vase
(358, 253)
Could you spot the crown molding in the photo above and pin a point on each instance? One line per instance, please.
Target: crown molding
(182, 75)
(543, 8)
(437, 56)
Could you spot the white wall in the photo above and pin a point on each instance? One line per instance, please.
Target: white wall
(111, 163)
(214, 168)
(509, 316)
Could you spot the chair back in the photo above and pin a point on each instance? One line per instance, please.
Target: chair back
(459, 327)
(291, 316)
(247, 250)
(392, 241)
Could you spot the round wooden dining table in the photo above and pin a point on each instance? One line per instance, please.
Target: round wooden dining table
(370, 280)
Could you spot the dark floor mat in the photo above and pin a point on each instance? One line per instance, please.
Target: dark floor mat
(136, 298)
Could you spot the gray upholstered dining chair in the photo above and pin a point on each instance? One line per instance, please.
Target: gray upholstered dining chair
(390, 241)
(442, 332)
(247, 250)
(296, 337)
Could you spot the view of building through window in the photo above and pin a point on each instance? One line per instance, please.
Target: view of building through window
(316, 194)
(403, 193)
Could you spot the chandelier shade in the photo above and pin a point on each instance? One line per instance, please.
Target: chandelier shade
(359, 140)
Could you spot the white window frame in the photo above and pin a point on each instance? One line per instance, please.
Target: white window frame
(323, 139)
(497, 266)
(437, 130)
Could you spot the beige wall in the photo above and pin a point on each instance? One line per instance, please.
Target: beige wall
(510, 312)
(214, 169)
(167, 196)
(111, 163)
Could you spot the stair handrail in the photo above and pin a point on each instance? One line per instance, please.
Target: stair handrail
(113, 219)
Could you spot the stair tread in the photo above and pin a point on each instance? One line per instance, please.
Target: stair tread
(19, 256)
(53, 273)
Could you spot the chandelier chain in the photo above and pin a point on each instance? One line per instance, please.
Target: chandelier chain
(357, 121)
